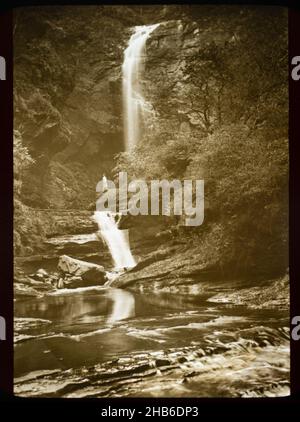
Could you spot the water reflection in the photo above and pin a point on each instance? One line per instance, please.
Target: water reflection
(110, 304)
(123, 305)
(66, 308)
(216, 342)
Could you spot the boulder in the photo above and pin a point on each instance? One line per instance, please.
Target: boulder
(42, 273)
(73, 282)
(83, 273)
(25, 290)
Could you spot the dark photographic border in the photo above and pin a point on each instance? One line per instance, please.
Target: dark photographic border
(209, 406)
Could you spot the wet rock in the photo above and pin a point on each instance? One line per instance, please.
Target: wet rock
(274, 294)
(25, 324)
(42, 272)
(36, 375)
(162, 362)
(21, 289)
(192, 374)
(156, 270)
(94, 275)
(32, 286)
(153, 257)
(89, 273)
(34, 283)
(40, 275)
(77, 281)
(130, 375)
(200, 353)
(79, 245)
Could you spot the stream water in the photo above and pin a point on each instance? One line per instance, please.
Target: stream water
(116, 240)
(166, 345)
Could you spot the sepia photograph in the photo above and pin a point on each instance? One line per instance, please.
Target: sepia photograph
(151, 201)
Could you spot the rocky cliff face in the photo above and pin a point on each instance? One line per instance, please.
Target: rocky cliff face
(168, 84)
(68, 99)
(68, 104)
(68, 81)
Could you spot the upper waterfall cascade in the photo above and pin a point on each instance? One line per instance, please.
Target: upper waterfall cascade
(133, 101)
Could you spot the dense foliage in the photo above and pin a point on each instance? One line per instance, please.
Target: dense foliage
(238, 95)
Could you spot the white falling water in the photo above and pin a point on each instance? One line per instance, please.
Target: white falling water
(132, 97)
(134, 105)
(115, 239)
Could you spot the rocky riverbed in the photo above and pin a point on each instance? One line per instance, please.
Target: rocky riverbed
(173, 327)
(164, 264)
(74, 345)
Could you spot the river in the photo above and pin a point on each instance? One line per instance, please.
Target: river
(96, 342)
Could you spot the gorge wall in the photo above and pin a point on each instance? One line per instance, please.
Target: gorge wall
(215, 83)
(68, 99)
(68, 81)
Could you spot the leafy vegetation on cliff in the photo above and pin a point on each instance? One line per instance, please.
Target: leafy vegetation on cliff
(236, 141)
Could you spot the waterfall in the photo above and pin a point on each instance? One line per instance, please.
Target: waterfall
(133, 100)
(115, 239)
(134, 104)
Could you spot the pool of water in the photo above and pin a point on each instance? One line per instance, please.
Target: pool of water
(219, 349)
